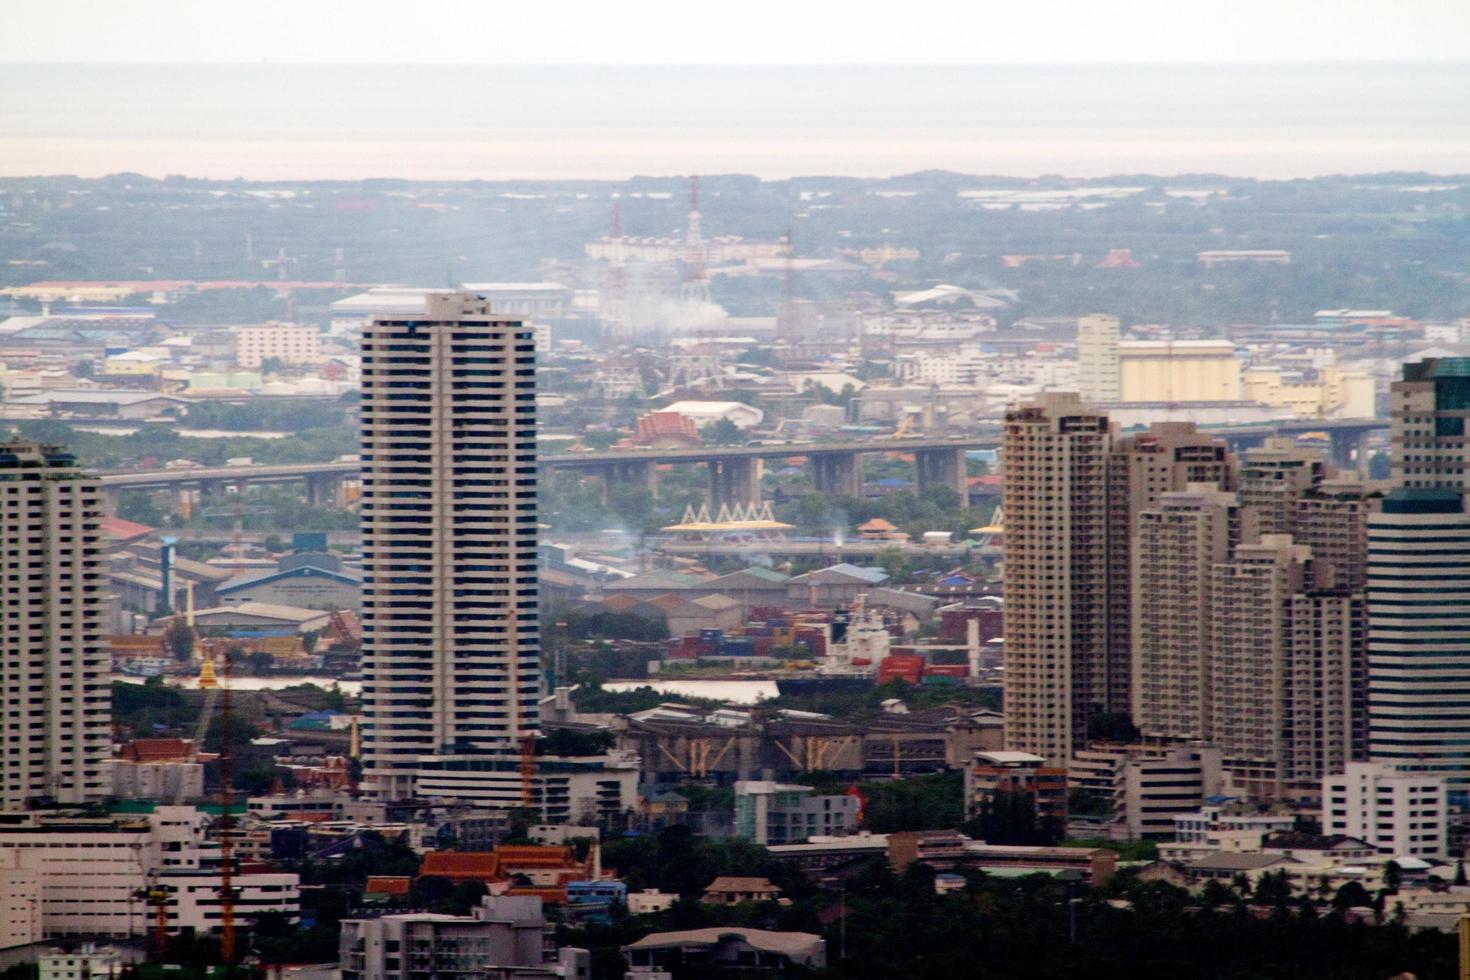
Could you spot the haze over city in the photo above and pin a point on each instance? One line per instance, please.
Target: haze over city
(659, 491)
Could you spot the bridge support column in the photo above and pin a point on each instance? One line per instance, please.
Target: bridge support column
(734, 481)
(633, 473)
(836, 473)
(322, 490)
(941, 467)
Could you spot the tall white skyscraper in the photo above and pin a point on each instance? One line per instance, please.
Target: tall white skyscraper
(451, 652)
(1099, 376)
(53, 661)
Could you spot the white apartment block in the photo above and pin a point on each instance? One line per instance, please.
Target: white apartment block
(1099, 375)
(292, 344)
(451, 644)
(1400, 813)
(20, 907)
(91, 872)
(55, 704)
(1212, 821)
(964, 366)
(90, 962)
(1144, 788)
(591, 789)
(504, 939)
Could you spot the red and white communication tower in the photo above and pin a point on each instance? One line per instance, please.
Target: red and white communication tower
(696, 270)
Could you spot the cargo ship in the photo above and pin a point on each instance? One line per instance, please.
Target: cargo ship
(856, 643)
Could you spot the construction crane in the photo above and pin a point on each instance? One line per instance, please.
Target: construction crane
(156, 896)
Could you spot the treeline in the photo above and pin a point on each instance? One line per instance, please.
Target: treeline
(883, 924)
(156, 444)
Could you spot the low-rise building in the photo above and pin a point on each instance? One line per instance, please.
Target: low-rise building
(87, 962)
(734, 889)
(753, 952)
(768, 812)
(703, 413)
(91, 871)
(20, 907)
(504, 939)
(305, 580)
(650, 900)
(290, 344)
(157, 769)
(992, 773)
(1227, 816)
(1398, 812)
(1136, 792)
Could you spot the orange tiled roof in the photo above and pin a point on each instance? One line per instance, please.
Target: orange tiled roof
(387, 885)
(156, 750)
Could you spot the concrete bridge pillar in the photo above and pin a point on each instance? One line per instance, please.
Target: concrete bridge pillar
(633, 472)
(734, 481)
(323, 490)
(940, 467)
(836, 473)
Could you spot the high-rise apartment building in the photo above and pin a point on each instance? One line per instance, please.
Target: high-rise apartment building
(1169, 457)
(1057, 669)
(1250, 652)
(1099, 376)
(1176, 546)
(53, 661)
(451, 660)
(1431, 411)
(1273, 477)
(1287, 669)
(1332, 520)
(1326, 710)
(1419, 634)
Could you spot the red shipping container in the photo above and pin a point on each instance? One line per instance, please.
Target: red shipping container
(899, 667)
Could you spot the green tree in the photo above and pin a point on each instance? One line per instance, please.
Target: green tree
(138, 505)
(722, 432)
(895, 563)
(600, 438)
(1273, 889)
(179, 638)
(1352, 895)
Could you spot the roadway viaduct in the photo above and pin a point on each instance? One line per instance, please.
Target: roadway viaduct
(734, 471)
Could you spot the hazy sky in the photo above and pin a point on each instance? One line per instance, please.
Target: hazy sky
(740, 32)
